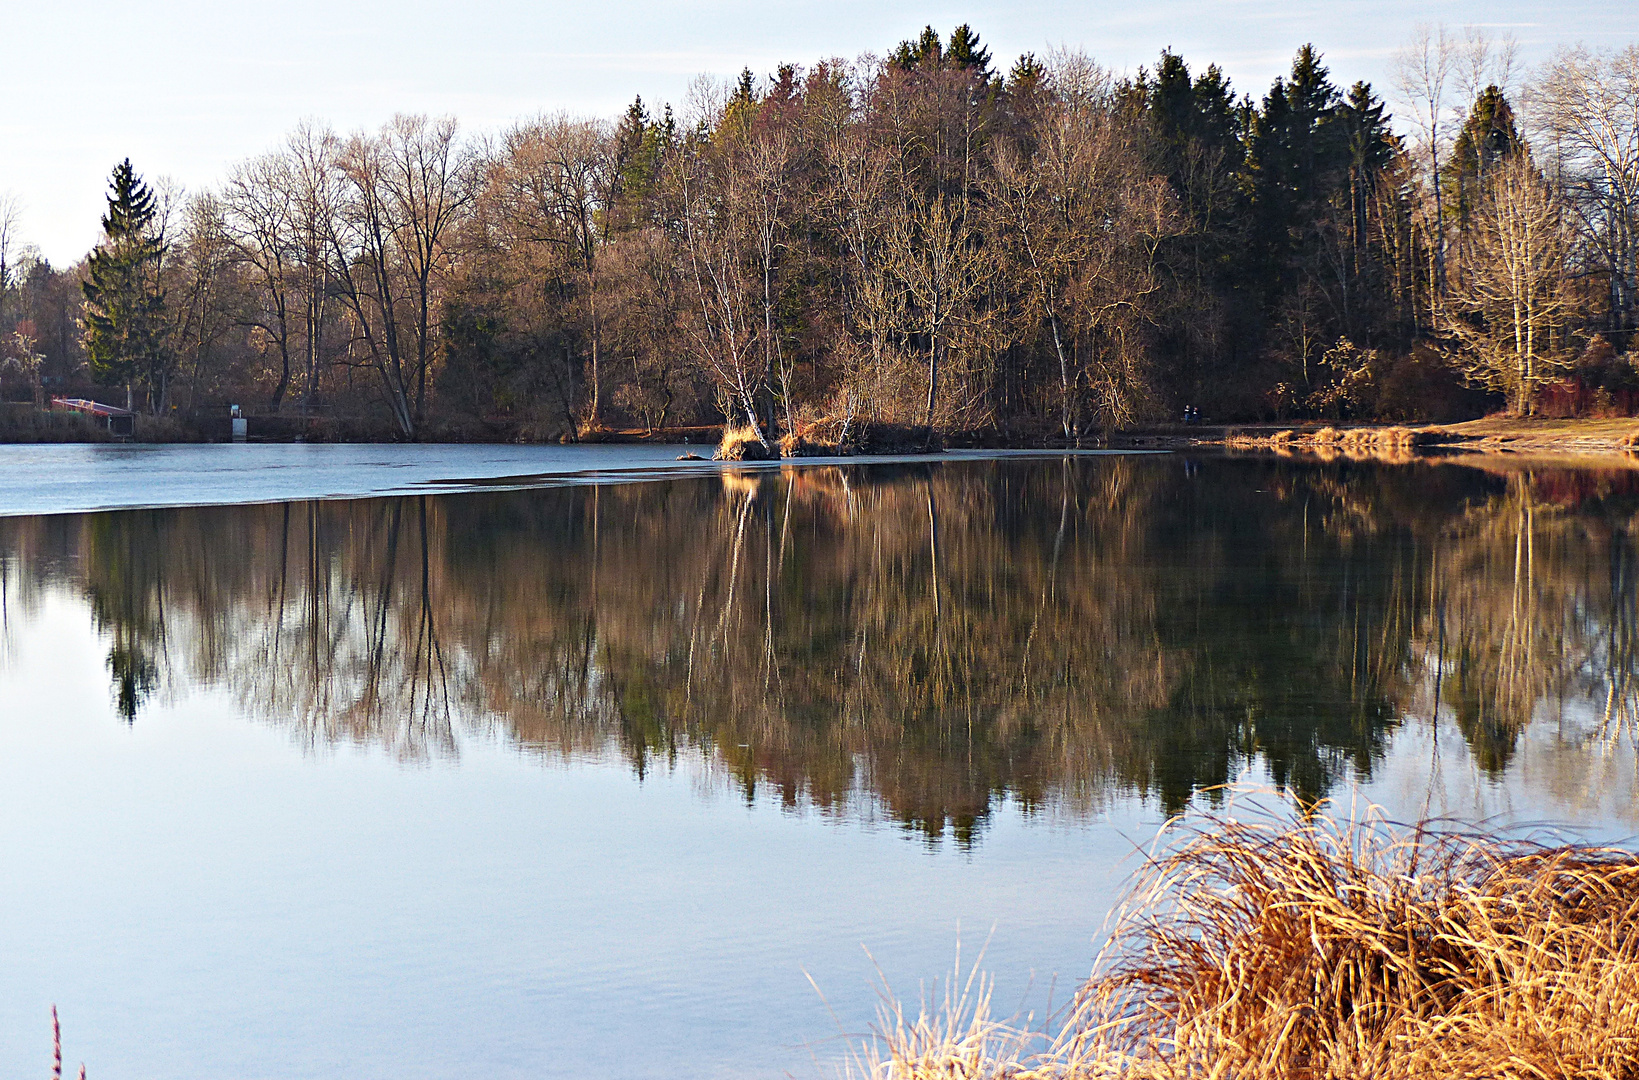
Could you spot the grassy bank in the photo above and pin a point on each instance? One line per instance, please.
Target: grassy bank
(1319, 949)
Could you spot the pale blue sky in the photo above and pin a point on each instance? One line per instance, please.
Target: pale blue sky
(187, 87)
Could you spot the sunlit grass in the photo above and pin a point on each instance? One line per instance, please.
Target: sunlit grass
(741, 442)
(1331, 948)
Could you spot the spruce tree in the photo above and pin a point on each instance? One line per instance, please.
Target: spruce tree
(925, 51)
(1191, 121)
(1371, 148)
(1297, 159)
(124, 306)
(1488, 137)
(968, 53)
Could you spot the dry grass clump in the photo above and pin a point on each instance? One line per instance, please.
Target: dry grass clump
(1392, 444)
(1317, 949)
(1326, 436)
(740, 443)
(1391, 438)
(1377, 437)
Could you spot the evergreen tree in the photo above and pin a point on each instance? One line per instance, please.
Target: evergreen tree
(1371, 146)
(1022, 97)
(745, 88)
(926, 50)
(1488, 136)
(1296, 162)
(968, 53)
(1026, 74)
(1194, 124)
(124, 306)
(634, 169)
(1294, 151)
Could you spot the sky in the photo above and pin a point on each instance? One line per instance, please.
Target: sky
(187, 88)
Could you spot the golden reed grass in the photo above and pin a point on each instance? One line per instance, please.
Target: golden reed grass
(1320, 948)
(740, 442)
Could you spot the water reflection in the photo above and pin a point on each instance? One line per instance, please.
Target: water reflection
(931, 638)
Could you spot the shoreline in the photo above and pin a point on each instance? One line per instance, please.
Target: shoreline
(1610, 441)
(1615, 439)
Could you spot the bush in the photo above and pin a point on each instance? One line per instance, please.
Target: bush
(868, 437)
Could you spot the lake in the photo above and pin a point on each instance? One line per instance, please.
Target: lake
(541, 762)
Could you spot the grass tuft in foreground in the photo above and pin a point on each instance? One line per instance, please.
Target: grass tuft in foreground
(1328, 949)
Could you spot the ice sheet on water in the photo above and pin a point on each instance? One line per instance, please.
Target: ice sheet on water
(70, 478)
(54, 479)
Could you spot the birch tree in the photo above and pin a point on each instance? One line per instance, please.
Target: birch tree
(1421, 71)
(715, 227)
(1509, 312)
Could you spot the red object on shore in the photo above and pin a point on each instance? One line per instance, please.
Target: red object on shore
(121, 422)
(86, 405)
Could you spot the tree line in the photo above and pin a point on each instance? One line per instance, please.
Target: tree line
(917, 239)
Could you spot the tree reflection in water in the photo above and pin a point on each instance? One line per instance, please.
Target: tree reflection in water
(927, 638)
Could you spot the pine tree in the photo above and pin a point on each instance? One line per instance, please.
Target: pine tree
(124, 306)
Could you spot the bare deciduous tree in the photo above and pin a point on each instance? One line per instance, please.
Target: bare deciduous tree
(1508, 313)
(405, 190)
(259, 200)
(936, 256)
(1421, 71)
(1587, 104)
(556, 175)
(715, 209)
(10, 213)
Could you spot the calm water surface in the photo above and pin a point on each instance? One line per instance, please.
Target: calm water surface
(593, 779)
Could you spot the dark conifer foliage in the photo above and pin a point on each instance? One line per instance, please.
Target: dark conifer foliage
(1487, 138)
(125, 339)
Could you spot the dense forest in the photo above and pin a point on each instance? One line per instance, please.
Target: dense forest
(922, 239)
